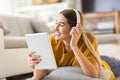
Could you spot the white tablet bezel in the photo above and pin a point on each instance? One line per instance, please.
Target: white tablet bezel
(40, 43)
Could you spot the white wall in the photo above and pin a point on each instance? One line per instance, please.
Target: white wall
(5, 7)
(8, 6)
(110, 5)
(76, 4)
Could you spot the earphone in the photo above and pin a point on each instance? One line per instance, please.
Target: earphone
(78, 18)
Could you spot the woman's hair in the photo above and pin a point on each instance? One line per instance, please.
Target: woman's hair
(70, 15)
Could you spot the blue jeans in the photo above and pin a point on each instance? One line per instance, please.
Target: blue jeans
(114, 64)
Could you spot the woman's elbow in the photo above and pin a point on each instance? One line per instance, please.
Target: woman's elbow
(93, 74)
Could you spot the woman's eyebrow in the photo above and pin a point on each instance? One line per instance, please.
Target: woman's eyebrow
(62, 22)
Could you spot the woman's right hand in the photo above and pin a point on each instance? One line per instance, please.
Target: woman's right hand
(33, 59)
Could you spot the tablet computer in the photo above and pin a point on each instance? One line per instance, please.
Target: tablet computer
(39, 42)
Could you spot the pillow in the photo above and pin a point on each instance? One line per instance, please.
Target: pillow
(39, 26)
(5, 29)
(68, 73)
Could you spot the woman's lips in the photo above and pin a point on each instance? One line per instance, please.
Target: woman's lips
(57, 34)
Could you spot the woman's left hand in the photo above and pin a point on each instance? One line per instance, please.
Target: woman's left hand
(75, 36)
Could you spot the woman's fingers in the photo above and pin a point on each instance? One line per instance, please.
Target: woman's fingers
(76, 31)
(36, 61)
(33, 63)
(33, 59)
(31, 53)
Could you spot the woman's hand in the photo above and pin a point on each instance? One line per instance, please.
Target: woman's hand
(75, 36)
(33, 59)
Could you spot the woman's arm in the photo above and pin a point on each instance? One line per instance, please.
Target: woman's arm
(32, 61)
(40, 73)
(89, 69)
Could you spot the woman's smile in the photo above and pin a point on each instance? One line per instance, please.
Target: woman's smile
(57, 34)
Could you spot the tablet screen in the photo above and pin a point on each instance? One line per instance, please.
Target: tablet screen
(39, 42)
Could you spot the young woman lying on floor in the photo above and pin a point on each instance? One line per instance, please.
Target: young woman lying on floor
(70, 49)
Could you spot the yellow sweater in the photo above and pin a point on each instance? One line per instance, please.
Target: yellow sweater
(68, 58)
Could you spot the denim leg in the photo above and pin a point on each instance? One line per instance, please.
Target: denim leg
(111, 61)
(119, 62)
(114, 64)
(116, 71)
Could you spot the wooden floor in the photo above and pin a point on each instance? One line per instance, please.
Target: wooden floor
(20, 77)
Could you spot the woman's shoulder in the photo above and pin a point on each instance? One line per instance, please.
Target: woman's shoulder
(51, 36)
(52, 39)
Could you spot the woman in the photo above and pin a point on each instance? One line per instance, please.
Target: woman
(69, 47)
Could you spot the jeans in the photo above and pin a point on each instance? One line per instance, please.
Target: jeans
(114, 64)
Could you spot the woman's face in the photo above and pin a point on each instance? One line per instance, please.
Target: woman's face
(62, 28)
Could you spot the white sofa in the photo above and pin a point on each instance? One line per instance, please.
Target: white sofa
(13, 47)
(13, 61)
(109, 45)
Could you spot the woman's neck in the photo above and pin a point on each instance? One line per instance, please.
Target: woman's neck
(67, 45)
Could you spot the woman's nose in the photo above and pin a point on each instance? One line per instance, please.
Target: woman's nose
(56, 27)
